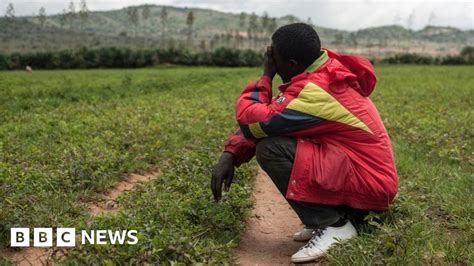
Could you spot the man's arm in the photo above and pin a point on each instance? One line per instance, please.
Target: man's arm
(259, 117)
(242, 148)
(239, 149)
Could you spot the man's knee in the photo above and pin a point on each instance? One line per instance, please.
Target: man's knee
(275, 156)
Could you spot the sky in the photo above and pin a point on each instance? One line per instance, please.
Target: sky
(339, 14)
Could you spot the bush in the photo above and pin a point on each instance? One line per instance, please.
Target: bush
(250, 58)
(466, 57)
(15, 61)
(3, 62)
(453, 60)
(468, 54)
(409, 59)
(226, 57)
(113, 57)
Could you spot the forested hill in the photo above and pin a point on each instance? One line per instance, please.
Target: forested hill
(150, 26)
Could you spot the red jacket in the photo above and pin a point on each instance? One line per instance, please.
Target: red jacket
(343, 154)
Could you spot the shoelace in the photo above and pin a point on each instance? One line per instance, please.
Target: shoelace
(312, 242)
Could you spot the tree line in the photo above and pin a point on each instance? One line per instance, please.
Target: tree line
(465, 57)
(127, 58)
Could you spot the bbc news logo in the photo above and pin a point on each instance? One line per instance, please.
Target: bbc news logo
(66, 237)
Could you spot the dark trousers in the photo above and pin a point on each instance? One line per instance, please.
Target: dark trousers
(275, 156)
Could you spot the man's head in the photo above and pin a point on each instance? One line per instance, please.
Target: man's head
(295, 47)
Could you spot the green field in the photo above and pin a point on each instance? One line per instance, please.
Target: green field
(66, 136)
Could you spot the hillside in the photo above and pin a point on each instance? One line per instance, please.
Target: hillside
(210, 29)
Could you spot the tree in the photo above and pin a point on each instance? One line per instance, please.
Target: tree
(253, 21)
(190, 22)
(71, 14)
(42, 16)
(132, 13)
(228, 38)
(146, 14)
(272, 25)
(164, 21)
(468, 54)
(216, 41)
(212, 43)
(353, 39)
(240, 40)
(253, 27)
(10, 13)
(265, 20)
(63, 18)
(203, 45)
(83, 13)
(309, 21)
(249, 37)
(242, 20)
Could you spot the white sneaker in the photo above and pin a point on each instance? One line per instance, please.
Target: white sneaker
(322, 240)
(304, 235)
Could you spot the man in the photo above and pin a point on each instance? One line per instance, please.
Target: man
(321, 140)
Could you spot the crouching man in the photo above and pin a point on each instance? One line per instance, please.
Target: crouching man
(321, 139)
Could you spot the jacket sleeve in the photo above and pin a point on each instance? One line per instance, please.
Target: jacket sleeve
(242, 148)
(259, 116)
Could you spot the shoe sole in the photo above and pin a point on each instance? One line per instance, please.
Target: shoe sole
(307, 259)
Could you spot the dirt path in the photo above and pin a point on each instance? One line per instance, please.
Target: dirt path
(27, 256)
(268, 239)
(107, 204)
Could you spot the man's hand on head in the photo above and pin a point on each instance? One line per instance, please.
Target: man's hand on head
(269, 68)
(223, 174)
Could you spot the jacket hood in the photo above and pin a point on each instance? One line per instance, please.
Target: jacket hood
(357, 71)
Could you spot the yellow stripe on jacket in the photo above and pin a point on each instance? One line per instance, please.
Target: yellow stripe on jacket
(315, 101)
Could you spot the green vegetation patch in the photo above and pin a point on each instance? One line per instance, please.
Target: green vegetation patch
(68, 135)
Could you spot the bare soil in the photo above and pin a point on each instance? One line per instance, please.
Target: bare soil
(27, 256)
(268, 239)
(108, 201)
(107, 205)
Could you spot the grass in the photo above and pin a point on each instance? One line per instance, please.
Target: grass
(66, 136)
(428, 113)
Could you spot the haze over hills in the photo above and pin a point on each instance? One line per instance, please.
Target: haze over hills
(146, 27)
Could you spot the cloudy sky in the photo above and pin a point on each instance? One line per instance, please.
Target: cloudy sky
(341, 14)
